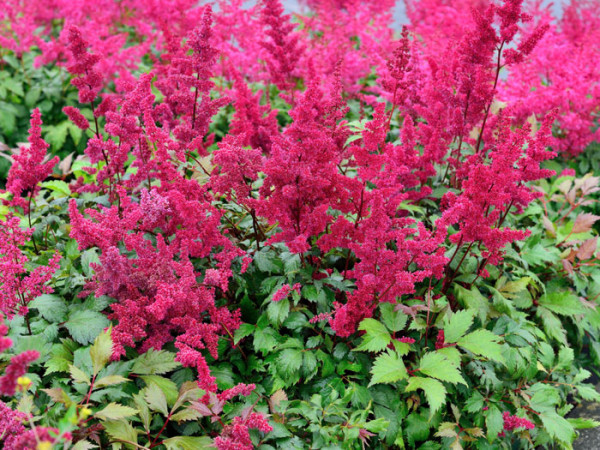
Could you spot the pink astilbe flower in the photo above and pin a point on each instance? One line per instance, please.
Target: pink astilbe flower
(241, 389)
(31, 439)
(302, 179)
(236, 435)
(29, 168)
(351, 36)
(282, 44)
(489, 191)
(11, 424)
(284, 291)
(76, 117)
(87, 79)
(511, 422)
(255, 124)
(20, 286)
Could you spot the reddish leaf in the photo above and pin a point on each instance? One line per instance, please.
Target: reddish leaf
(587, 249)
(584, 223)
(568, 266)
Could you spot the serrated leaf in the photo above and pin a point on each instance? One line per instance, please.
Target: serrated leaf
(83, 445)
(167, 386)
(580, 423)
(101, 351)
(188, 443)
(57, 186)
(87, 258)
(155, 363)
(110, 380)
(435, 392)
(558, 427)
(484, 343)
(278, 311)
(243, 331)
(457, 325)
(156, 399)
(78, 375)
(114, 411)
(494, 422)
(447, 429)
(186, 414)
(436, 365)
(120, 430)
(85, 325)
(376, 337)
(394, 320)
(51, 307)
(388, 368)
(289, 361)
(264, 340)
(56, 135)
(188, 391)
(563, 303)
(584, 222)
(143, 410)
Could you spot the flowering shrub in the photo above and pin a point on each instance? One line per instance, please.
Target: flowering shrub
(299, 231)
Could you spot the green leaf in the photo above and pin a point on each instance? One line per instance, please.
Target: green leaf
(121, 430)
(114, 411)
(88, 257)
(75, 132)
(436, 365)
(186, 414)
(563, 303)
(264, 340)
(435, 392)
(493, 422)
(110, 380)
(57, 186)
(101, 351)
(189, 391)
(156, 399)
(377, 425)
(78, 375)
(376, 337)
(14, 86)
(245, 330)
(457, 325)
(565, 359)
(155, 363)
(51, 307)
(278, 311)
(483, 342)
(580, 423)
(56, 135)
(188, 443)
(388, 368)
(85, 325)
(558, 427)
(289, 361)
(167, 386)
(394, 320)
(265, 260)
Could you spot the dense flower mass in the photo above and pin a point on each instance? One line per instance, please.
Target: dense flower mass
(288, 191)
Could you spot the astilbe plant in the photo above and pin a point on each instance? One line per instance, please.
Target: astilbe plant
(235, 159)
(160, 222)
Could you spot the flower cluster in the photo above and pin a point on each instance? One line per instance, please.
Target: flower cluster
(30, 166)
(512, 422)
(19, 286)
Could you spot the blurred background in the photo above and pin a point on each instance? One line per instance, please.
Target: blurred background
(400, 11)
